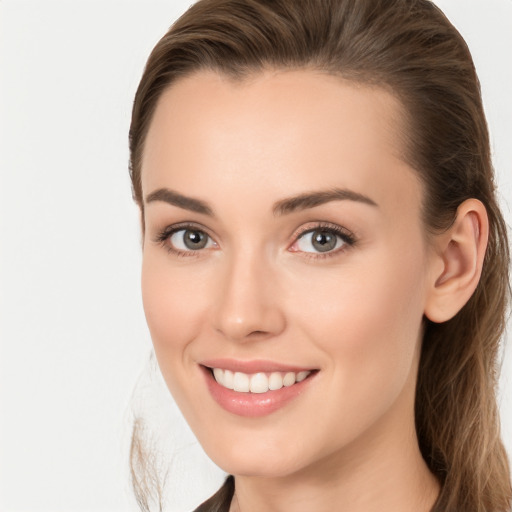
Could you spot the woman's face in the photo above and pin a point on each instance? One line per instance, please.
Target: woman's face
(284, 248)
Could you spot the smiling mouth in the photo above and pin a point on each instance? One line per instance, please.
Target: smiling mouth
(259, 382)
(255, 388)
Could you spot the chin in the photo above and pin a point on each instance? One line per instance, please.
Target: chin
(262, 467)
(256, 459)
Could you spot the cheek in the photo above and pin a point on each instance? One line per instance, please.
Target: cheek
(368, 319)
(173, 307)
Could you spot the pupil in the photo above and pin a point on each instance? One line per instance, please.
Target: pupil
(324, 241)
(194, 239)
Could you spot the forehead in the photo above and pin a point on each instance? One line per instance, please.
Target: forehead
(297, 129)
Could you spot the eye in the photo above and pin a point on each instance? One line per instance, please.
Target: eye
(322, 240)
(189, 240)
(185, 240)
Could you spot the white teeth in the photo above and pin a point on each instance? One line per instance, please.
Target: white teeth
(228, 379)
(289, 379)
(301, 376)
(257, 382)
(275, 381)
(218, 374)
(241, 382)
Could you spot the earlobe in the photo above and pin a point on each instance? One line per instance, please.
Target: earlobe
(457, 262)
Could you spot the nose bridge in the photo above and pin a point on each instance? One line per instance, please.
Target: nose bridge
(247, 304)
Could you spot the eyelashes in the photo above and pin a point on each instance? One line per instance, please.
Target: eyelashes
(185, 239)
(314, 240)
(324, 239)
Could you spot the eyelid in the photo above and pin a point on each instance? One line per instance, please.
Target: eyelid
(327, 226)
(162, 237)
(346, 235)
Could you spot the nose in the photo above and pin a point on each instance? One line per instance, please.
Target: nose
(247, 306)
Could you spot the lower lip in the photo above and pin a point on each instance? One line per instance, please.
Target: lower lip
(254, 404)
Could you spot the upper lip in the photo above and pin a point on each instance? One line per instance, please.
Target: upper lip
(253, 366)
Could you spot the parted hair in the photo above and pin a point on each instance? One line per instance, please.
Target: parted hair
(411, 49)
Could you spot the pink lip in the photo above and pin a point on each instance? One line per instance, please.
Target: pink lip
(253, 366)
(253, 405)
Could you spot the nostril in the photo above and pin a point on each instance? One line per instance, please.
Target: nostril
(244, 320)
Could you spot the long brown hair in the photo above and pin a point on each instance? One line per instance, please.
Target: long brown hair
(411, 49)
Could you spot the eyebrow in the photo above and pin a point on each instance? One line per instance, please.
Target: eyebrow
(312, 199)
(176, 199)
(282, 207)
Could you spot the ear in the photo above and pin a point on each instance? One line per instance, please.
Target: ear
(456, 262)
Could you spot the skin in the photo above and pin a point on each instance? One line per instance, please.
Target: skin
(259, 291)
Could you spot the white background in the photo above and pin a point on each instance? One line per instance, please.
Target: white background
(73, 335)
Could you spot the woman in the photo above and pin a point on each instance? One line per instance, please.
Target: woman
(325, 267)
